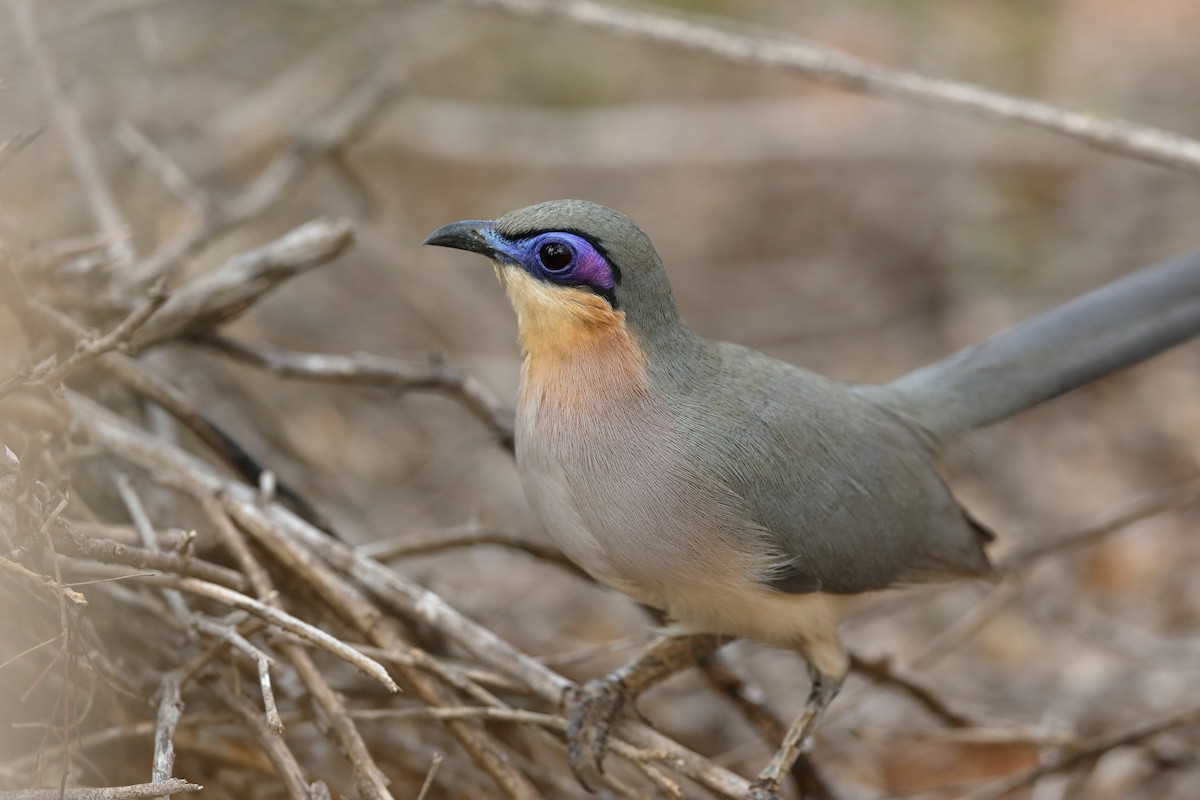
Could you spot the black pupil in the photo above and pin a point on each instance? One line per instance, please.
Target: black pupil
(555, 256)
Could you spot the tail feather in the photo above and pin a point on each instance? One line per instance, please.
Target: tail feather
(1106, 330)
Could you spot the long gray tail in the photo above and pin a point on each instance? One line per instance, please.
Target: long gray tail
(1101, 332)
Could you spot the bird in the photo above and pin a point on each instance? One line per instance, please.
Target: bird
(742, 496)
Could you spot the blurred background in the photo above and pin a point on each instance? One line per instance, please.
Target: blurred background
(855, 236)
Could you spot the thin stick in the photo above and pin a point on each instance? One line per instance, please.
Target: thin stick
(1071, 758)
(290, 773)
(1122, 518)
(347, 120)
(468, 536)
(747, 45)
(225, 293)
(134, 446)
(369, 779)
(429, 776)
(107, 551)
(229, 633)
(134, 792)
(364, 369)
(89, 348)
(282, 619)
(170, 707)
(145, 528)
(69, 124)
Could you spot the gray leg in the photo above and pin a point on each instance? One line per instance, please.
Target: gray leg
(824, 689)
(594, 707)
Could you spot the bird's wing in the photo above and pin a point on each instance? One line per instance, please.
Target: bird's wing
(848, 492)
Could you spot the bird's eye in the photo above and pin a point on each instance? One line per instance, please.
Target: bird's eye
(555, 256)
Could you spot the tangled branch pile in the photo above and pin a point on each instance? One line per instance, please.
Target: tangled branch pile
(179, 615)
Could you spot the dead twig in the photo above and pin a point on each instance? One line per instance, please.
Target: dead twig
(279, 618)
(69, 124)
(133, 792)
(170, 708)
(43, 581)
(109, 552)
(1116, 521)
(89, 347)
(177, 467)
(747, 45)
(287, 767)
(1070, 758)
(228, 633)
(350, 117)
(467, 536)
(364, 369)
(225, 293)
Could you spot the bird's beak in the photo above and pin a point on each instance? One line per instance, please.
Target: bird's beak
(472, 235)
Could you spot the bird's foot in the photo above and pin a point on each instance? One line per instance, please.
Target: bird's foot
(591, 710)
(764, 789)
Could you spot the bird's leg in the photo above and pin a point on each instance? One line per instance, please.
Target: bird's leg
(824, 688)
(596, 704)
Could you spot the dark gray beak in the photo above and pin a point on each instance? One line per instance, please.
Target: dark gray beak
(473, 235)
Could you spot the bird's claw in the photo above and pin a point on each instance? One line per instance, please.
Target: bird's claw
(591, 711)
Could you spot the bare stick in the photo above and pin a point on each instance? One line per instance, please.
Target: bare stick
(170, 707)
(349, 119)
(224, 294)
(468, 536)
(1122, 518)
(1103, 744)
(115, 434)
(429, 776)
(35, 316)
(747, 45)
(70, 126)
(134, 792)
(44, 581)
(110, 552)
(369, 779)
(282, 619)
(354, 606)
(145, 529)
(364, 369)
(174, 178)
(89, 348)
(883, 671)
(290, 773)
(229, 633)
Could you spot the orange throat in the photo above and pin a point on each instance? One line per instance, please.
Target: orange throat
(578, 351)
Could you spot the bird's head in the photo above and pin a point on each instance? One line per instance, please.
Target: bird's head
(573, 270)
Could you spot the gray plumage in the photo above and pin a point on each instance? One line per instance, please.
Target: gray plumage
(733, 472)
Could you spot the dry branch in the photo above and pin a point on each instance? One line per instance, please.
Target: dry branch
(69, 124)
(140, 790)
(282, 619)
(1068, 759)
(287, 768)
(340, 125)
(412, 601)
(222, 295)
(747, 45)
(110, 552)
(364, 369)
